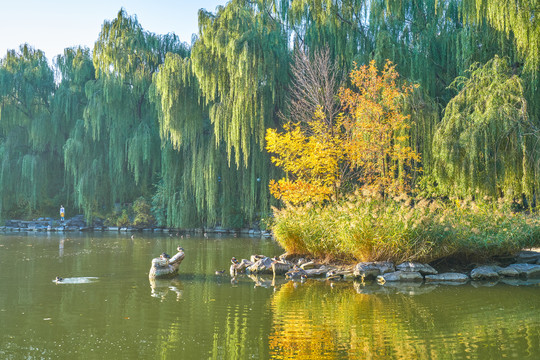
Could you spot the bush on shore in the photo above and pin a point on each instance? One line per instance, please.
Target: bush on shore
(368, 229)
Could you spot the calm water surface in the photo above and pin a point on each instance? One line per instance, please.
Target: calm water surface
(111, 308)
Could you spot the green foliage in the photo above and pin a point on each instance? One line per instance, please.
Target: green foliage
(141, 109)
(241, 62)
(210, 107)
(123, 220)
(142, 213)
(113, 154)
(30, 141)
(486, 144)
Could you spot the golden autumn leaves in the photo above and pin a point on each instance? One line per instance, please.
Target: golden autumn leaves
(367, 146)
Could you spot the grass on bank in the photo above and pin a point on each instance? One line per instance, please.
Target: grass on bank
(366, 229)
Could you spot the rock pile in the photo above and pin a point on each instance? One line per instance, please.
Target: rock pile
(526, 266)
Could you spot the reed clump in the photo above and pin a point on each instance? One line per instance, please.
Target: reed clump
(405, 229)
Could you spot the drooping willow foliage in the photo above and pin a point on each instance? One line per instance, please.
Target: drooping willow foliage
(30, 146)
(518, 20)
(486, 144)
(198, 185)
(113, 155)
(241, 63)
(143, 114)
(75, 68)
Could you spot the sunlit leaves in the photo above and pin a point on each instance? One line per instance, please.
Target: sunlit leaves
(377, 128)
(369, 140)
(312, 157)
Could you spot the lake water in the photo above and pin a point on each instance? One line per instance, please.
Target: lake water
(110, 308)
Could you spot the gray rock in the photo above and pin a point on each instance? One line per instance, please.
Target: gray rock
(528, 256)
(370, 270)
(281, 267)
(405, 276)
(309, 265)
(486, 272)
(262, 266)
(508, 272)
(526, 270)
(447, 277)
(423, 269)
(321, 272)
(296, 274)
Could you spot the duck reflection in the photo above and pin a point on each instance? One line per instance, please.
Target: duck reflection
(161, 287)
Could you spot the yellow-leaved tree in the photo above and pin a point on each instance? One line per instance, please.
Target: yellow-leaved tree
(311, 155)
(377, 130)
(365, 146)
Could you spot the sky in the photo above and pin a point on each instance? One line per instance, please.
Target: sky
(53, 25)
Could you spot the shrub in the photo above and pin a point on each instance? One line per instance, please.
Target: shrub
(143, 213)
(123, 220)
(366, 229)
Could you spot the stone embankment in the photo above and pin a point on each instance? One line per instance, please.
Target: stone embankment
(523, 267)
(78, 223)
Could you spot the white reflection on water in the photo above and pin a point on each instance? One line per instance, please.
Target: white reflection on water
(76, 280)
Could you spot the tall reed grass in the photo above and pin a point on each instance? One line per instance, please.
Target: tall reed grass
(367, 229)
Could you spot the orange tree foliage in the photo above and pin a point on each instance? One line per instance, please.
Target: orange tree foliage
(366, 145)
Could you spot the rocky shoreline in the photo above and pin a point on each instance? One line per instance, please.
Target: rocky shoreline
(523, 268)
(78, 223)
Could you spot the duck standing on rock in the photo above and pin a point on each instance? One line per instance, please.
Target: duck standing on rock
(234, 266)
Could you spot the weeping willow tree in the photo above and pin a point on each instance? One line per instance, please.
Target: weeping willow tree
(30, 142)
(113, 154)
(214, 109)
(241, 61)
(341, 26)
(486, 144)
(214, 171)
(519, 20)
(75, 69)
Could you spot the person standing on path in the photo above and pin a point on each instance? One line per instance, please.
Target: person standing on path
(62, 212)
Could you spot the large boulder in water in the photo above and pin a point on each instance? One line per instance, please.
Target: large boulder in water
(281, 267)
(524, 270)
(486, 272)
(163, 268)
(404, 276)
(370, 270)
(423, 269)
(447, 278)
